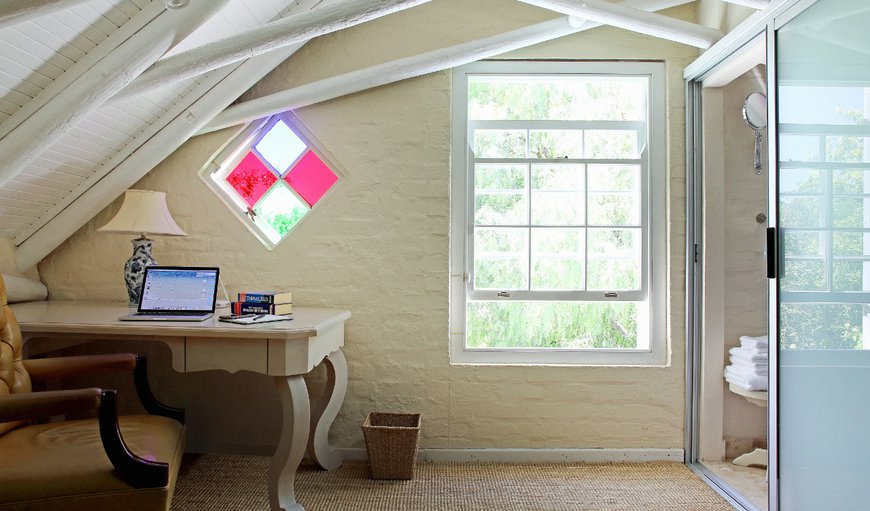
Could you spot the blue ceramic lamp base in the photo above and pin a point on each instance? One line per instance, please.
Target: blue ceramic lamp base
(134, 268)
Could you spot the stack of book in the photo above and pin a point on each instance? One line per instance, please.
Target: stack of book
(263, 302)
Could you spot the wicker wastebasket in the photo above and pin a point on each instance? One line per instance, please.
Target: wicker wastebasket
(391, 442)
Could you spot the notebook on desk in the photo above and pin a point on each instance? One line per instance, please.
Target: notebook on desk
(176, 293)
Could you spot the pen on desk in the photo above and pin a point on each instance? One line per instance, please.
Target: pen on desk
(258, 316)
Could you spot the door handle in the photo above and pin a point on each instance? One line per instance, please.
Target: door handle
(772, 256)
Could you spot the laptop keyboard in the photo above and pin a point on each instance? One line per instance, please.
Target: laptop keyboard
(169, 313)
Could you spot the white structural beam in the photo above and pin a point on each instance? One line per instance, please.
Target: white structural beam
(329, 17)
(636, 20)
(755, 4)
(151, 147)
(16, 11)
(412, 66)
(24, 142)
(744, 59)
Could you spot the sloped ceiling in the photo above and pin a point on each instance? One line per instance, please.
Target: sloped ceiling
(70, 136)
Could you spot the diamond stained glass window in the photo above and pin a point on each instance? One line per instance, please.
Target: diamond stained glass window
(275, 177)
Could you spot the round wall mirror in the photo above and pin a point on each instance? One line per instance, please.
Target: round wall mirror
(755, 115)
(755, 110)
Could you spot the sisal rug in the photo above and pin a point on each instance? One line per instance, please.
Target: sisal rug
(238, 483)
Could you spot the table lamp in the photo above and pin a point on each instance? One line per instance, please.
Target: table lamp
(143, 212)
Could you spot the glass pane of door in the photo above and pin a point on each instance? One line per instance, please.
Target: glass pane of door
(823, 211)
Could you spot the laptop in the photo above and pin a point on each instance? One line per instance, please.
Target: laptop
(176, 293)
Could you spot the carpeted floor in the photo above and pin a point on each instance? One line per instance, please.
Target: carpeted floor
(237, 483)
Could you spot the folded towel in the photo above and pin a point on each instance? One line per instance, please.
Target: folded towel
(748, 371)
(754, 342)
(748, 356)
(748, 383)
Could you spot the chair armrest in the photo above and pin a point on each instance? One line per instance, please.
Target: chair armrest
(41, 369)
(37, 405)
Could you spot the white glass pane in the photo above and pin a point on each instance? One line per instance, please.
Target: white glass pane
(500, 143)
(558, 194)
(501, 258)
(611, 144)
(556, 144)
(614, 259)
(278, 212)
(558, 258)
(280, 147)
(577, 325)
(500, 195)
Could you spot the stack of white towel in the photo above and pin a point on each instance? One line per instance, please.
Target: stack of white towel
(748, 367)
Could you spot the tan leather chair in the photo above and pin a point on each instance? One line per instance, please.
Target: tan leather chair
(108, 462)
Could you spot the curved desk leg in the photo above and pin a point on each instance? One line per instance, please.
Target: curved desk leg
(324, 411)
(291, 447)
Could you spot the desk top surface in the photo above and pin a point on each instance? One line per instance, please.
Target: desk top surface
(71, 317)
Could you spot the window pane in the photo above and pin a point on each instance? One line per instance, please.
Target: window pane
(250, 179)
(849, 211)
(849, 275)
(851, 244)
(799, 148)
(801, 212)
(280, 147)
(803, 275)
(614, 195)
(800, 181)
(851, 181)
(500, 195)
(611, 144)
(556, 143)
(578, 325)
(614, 259)
(500, 143)
(557, 259)
(829, 326)
(558, 196)
(845, 149)
(278, 212)
(803, 243)
(557, 97)
(311, 178)
(501, 258)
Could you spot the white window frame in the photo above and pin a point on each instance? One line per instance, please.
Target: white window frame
(654, 174)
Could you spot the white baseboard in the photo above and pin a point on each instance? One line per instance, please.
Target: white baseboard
(535, 455)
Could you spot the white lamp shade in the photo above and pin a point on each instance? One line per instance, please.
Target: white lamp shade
(144, 212)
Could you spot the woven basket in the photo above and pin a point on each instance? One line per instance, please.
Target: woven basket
(391, 442)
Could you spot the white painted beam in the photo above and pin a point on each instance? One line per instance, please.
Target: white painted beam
(59, 109)
(755, 4)
(329, 17)
(636, 20)
(156, 143)
(747, 57)
(412, 66)
(16, 11)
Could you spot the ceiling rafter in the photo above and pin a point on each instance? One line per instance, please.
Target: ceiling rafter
(755, 4)
(411, 66)
(91, 84)
(325, 19)
(17, 11)
(635, 20)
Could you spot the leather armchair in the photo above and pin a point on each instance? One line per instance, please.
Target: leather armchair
(108, 462)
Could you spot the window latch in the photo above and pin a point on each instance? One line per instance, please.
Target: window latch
(610, 294)
(504, 294)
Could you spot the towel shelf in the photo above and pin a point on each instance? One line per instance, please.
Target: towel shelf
(756, 397)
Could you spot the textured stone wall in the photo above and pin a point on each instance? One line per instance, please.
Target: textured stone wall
(379, 247)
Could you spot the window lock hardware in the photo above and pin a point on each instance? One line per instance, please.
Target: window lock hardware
(504, 294)
(610, 294)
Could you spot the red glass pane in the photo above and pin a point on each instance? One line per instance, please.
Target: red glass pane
(251, 178)
(311, 178)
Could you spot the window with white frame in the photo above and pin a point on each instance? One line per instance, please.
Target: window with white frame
(558, 232)
(271, 176)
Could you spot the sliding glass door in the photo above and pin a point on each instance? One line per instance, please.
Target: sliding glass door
(822, 208)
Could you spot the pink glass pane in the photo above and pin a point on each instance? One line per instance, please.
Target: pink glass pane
(311, 178)
(251, 178)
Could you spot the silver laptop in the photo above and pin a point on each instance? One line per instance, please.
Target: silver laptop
(176, 293)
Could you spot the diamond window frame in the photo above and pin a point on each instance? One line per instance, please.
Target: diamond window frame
(215, 172)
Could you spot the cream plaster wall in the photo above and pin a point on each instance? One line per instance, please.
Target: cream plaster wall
(379, 248)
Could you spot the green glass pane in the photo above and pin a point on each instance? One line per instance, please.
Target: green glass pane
(578, 325)
(279, 211)
(501, 258)
(803, 275)
(849, 212)
(558, 257)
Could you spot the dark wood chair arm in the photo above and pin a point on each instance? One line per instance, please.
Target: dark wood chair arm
(38, 405)
(41, 369)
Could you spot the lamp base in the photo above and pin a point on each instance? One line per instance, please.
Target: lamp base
(134, 268)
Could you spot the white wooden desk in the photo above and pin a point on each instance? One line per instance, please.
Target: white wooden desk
(284, 350)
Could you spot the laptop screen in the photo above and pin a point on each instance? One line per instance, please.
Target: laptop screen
(177, 288)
